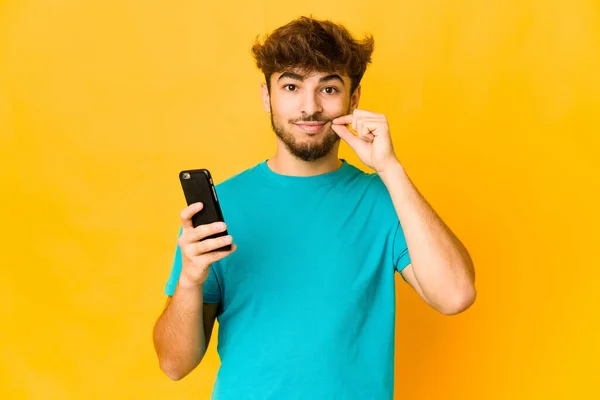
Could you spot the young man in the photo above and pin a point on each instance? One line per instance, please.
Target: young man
(305, 299)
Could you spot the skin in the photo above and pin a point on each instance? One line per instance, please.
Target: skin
(297, 100)
(441, 271)
(310, 114)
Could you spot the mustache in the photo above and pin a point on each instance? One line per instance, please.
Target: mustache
(312, 118)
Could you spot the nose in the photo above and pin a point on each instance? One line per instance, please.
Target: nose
(310, 104)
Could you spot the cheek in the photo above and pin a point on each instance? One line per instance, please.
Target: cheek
(283, 109)
(338, 108)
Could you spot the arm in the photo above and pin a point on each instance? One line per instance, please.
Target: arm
(182, 332)
(441, 271)
(179, 340)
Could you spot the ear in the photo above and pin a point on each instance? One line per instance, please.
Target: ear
(266, 98)
(355, 99)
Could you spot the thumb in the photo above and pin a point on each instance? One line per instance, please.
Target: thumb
(346, 135)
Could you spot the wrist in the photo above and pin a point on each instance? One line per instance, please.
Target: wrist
(391, 169)
(188, 285)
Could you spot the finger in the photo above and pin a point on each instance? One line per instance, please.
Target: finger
(217, 255)
(195, 249)
(359, 127)
(368, 137)
(208, 245)
(203, 231)
(343, 120)
(367, 114)
(364, 128)
(345, 134)
(360, 116)
(187, 214)
(365, 134)
(368, 129)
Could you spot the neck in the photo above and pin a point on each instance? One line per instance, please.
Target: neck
(285, 163)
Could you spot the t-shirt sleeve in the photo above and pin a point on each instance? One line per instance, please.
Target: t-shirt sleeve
(400, 255)
(211, 288)
(387, 212)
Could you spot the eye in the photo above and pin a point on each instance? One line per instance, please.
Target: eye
(291, 87)
(331, 90)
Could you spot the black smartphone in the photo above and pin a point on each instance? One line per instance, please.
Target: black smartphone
(197, 187)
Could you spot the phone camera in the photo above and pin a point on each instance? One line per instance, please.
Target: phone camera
(186, 175)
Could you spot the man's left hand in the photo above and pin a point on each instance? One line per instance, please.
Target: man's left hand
(373, 143)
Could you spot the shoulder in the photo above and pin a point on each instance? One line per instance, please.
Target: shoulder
(237, 181)
(372, 192)
(369, 181)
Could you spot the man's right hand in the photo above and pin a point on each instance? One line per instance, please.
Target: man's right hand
(197, 254)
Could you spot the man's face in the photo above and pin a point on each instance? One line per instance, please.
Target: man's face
(302, 107)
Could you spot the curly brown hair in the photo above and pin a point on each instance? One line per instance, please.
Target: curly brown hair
(312, 45)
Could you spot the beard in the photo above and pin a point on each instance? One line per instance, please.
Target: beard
(307, 151)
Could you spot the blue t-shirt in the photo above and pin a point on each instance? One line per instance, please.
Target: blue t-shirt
(307, 301)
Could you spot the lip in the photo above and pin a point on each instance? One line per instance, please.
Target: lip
(311, 126)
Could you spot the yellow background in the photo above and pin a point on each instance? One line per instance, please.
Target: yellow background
(494, 111)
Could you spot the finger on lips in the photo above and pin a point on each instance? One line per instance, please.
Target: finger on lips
(343, 120)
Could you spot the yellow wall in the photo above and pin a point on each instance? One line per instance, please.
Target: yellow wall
(494, 109)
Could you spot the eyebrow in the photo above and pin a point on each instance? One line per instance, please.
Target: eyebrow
(298, 77)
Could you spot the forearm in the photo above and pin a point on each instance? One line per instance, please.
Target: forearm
(179, 334)
(440, 263)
